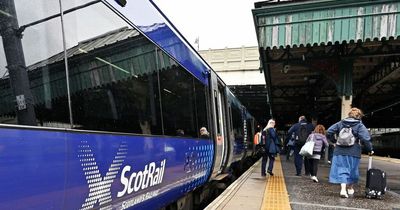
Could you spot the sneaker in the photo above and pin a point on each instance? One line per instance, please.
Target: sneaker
(270, 173)
(350, 191)
(315, 179)
(343, 194)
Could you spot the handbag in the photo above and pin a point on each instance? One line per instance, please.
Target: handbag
(308, 148)
(290, 142)
(260, 149)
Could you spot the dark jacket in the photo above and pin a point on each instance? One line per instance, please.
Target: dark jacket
(294, 129)
(360, 132)
(272, 142)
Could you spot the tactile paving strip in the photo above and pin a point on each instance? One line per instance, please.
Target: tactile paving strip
(275, 195)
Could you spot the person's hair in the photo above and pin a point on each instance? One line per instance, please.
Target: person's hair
(320, 129)
(203, 131)
(271, 124)
(355, 113)
(302, 118)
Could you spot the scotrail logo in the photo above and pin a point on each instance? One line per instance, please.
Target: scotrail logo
(150, 176)
(100, 187)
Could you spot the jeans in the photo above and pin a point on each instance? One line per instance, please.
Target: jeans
(264, 163)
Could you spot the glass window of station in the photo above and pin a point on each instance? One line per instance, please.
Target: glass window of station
(118, 80)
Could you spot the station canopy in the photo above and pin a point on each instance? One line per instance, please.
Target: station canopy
(315, 53)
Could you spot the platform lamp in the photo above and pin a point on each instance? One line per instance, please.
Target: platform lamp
(121, 3)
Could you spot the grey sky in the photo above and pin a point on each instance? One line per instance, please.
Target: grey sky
(217, 23)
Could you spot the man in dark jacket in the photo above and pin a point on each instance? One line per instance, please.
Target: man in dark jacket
(299, 130)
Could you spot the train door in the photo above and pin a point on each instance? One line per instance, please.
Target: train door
(220, 124)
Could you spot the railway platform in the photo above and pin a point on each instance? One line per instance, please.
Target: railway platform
(284, 190)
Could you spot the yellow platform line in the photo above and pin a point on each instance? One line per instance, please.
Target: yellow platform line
(276, 196)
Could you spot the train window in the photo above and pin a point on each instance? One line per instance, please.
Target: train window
(118, 80)
(250, 130)
(218, 127)
(33, 88)
(113, 73)
(201, 105)
(237, 122)
(178, 102)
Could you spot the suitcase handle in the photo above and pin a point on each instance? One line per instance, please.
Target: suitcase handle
(370, 162)
(370, 159)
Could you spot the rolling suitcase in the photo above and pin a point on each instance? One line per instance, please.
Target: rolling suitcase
(376, 182)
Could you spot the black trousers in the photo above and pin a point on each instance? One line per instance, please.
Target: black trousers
(264, 160)
(313, 166)
(307, 166)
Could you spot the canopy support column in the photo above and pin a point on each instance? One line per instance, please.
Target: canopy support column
(16, 64)
(345, 88)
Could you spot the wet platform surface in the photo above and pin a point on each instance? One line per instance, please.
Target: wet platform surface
(251, 191)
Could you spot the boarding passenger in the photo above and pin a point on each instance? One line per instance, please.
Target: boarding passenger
(257, 137)
(347, 152)
(257, 144)
(204, 133)
(318, 136)
(180, 132)
(301, 130)
(272, 147)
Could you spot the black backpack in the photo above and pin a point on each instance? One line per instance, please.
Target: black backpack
(302, 135)
(260, 148)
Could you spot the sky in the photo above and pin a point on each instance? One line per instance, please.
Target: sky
(217, 23)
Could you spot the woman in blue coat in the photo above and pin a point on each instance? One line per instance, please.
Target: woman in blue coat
(272, 147)
(346, 159)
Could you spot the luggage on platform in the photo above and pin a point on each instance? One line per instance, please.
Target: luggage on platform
(376, 182)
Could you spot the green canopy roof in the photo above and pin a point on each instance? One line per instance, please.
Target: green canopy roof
(324, 21)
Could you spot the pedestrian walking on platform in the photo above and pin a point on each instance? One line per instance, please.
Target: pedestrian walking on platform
(257, 136)
(290, 147)
(320, 141)
(272, 147)
(347, 153)
(301, 131)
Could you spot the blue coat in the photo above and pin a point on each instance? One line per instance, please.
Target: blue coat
(359, 131)
(272, 142)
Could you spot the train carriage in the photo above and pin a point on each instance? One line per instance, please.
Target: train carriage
(101, 107)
